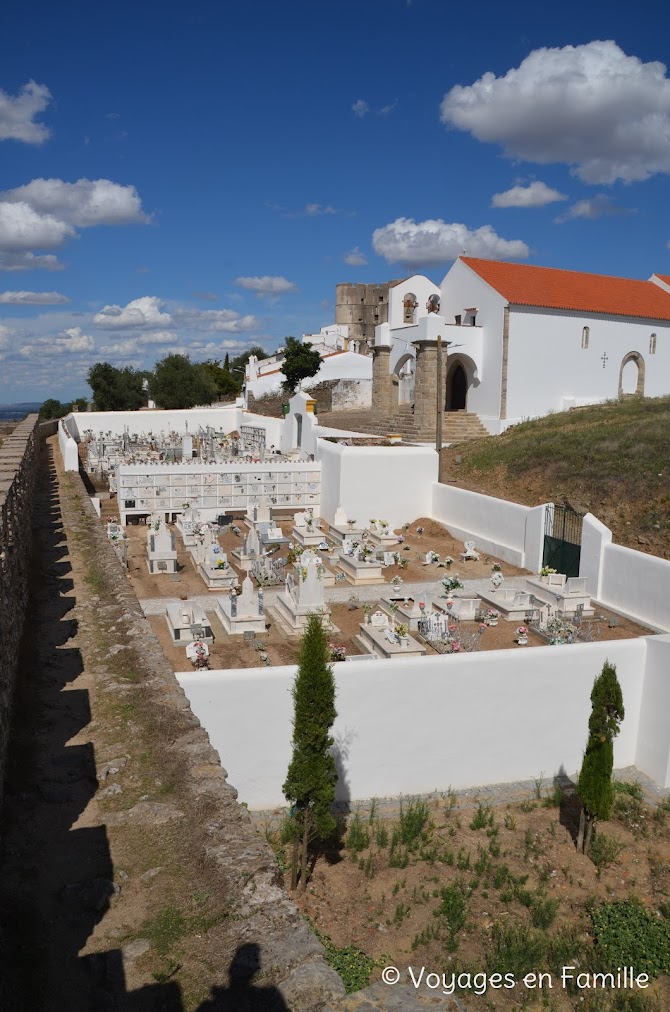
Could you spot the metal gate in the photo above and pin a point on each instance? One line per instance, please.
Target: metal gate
(562, 539)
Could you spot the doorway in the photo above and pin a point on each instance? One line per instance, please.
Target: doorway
(457, 388)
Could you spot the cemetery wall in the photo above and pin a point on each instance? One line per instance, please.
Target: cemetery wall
(68, 448)
(18, 469)
(391, 482)
(637, 585)
(225, 418)
(507, 530)
(410, 727)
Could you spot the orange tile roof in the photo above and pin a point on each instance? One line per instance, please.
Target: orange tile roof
(665, 278)
(551, 288)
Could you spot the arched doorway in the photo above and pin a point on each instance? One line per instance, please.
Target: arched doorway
(298, 430)
(457, 388)
(631, 375)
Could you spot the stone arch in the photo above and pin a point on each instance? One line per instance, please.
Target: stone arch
(405, 369)
(632, 356)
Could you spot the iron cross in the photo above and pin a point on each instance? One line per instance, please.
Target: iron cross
(604, 358)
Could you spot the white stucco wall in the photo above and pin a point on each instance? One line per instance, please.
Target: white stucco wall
(406, 727)
(507, 530)
(462, 289)
(548, 370)
(334, 365)
(117, 422)
(420, 286)
(653, 746)
(595, 538)
(637, 585)
(392, 482)
(68, 448)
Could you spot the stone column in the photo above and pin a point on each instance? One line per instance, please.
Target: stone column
(382, 389)
(425, 381)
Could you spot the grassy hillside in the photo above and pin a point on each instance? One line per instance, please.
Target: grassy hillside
(611, 459)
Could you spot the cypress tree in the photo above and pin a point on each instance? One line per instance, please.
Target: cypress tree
(595, 778)
(312, 774)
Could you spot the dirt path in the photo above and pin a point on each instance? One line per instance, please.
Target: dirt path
(130, 878)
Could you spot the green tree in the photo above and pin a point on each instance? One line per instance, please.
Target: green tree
(227, 385)
(179, 383)
(300, 362)
(240, 361)
(52, 408)
(312, 774)
(595, 778)
(117, 389)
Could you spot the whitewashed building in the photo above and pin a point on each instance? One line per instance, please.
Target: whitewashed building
(528, 340)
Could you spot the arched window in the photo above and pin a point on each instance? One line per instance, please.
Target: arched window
(652, 344)
(585, 337)
(409, 306)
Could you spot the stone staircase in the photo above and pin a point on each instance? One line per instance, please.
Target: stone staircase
(457, 426)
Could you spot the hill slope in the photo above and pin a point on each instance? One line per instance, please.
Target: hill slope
(611, 459)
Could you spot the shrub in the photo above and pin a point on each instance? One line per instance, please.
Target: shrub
(604, 850)
(453, 910)
(628, 935)
(543, 911)
(358, 835)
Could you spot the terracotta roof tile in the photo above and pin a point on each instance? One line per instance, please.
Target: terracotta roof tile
(548, 287)
(665, 278)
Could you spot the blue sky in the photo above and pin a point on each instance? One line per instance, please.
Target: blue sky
(200, 177)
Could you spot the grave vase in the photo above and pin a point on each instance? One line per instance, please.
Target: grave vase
(522, 641)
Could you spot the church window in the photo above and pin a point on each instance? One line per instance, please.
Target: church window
(652, 344)
(585, 337)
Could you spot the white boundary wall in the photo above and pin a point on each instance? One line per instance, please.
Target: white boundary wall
(225, 418)
(409, 727)
(508, 530)
(636, 584)
(68, 448)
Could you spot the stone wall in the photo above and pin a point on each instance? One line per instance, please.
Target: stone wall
(18, 469)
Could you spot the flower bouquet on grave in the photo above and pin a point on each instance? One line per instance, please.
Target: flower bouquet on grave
(496, 568)
(492, 616)
(496, 580)
(433, 557)
(366, 608)
(448, 561)
(455, 647)
(402, 632)
(451, 583)
(419, 531)
(338, 651)
(186, 505)
(384, 524)
(400, 539)
(522, 635)
(547, 571)
(405, 527)
(221, 564)
(397, 581)
(235, 530)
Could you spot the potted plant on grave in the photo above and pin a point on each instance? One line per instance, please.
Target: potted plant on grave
(221, 564)
(396, 582)
(352, 524)
(451, 583)
(522, 635)
(496, 580)
(384, 524)
(367, 609)
(496, 568)
(492, 616)
(402, 632)
(433, 557)
(448, 561)
(546, 572)
(338, 651)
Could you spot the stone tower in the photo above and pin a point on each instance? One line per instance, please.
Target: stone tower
(362, 308)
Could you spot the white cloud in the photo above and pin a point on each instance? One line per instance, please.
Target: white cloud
(355, 258)
(595, 207)
(360, 108)
(589, 106)
(33, 299)
(70, 341)
(386, 110)
(536, 194)
(158, 337)
(226, 320)
(22, 227)
(5, 334)
(144, 312)
(29, 262)
(434, 242)
(17, 114)
(312, 210)
(84, 203)
(122, 348)
(267, 285)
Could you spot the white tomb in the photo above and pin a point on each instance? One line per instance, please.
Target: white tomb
(302, 596)
(188, 622)
(259, 513)
(306, 530)
(244, 612)
(342, 528)
(216, 571)
(251, 547)
(187, 524)
(161, 550)
(378, 637)
(462, 608)
(408, 609)
(361, 572)
(381, 536)
(565, 594)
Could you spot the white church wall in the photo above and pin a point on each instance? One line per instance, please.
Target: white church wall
(549, 370)
(392, 482)
(390, 728)
(418, 285)
(506, 530)
(462, 289)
